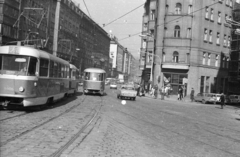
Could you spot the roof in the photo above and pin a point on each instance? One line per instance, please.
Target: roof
(95, 70)
(29, 51)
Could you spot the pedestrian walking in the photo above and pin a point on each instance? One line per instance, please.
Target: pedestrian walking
(222, 100)
(192, 95)
(180, 93)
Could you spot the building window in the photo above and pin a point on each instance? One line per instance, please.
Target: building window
(227, 2)
(205, 34)
(144, 43)
(211, 16)
(164, 57)
(178, 8)
(177, 31)
(189, 33)
(229, 41)
(207, 84)
(223, 62)
(230, 3)
(175, 56)
(167, 9)
(202, 84)
(226, 17)
(152, 14)
(204, 58)
(219, 17)
(209, 58)
(210, 36)
(225, 40)
(206, 12)
(227, 65)
(218, 38)
(190, 9)
(216, 60)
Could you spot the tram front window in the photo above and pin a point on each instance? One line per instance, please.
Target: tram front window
(94, 76)
(18, 65)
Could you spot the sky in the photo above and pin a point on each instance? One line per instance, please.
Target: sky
(106, 11)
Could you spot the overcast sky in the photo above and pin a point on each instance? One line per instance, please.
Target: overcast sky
(105, 11)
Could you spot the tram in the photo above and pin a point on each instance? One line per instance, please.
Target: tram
(31, 77)
(94, 81)
(74, 79)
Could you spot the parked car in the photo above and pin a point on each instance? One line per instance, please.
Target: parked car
(127, 91)
(207, 98)
(113, 85)
(232, 99)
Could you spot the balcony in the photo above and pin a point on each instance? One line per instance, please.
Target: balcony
(149, 65)
(153, 5)
(181, 65)
(145, 19)
(150, 45)
(151, 24)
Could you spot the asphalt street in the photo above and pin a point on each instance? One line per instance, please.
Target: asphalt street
(89, 126)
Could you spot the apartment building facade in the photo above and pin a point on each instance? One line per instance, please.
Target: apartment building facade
(188, 42)
(234, 70)
(80, 40)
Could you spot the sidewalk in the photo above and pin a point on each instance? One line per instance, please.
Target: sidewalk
(170, 98)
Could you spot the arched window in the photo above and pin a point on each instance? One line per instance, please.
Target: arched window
(175, 56)
(177, 31)
(178, 8)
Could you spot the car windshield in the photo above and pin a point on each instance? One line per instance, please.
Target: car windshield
(128, 88)
(18, 65)
(94, 76)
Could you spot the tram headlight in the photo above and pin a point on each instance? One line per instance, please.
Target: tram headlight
(35, 84)
(21, 89)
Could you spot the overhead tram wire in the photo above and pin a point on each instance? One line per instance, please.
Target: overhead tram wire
(86, 8)
(104, 25)
(131, 35)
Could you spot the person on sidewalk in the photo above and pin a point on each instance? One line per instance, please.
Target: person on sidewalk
(180, 93)
(192, 95)
(222, 100)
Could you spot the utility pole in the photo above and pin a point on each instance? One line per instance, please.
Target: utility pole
(55, 35)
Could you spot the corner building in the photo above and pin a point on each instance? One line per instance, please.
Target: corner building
(189, 43)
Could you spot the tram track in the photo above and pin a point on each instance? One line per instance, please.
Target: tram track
(40, 125)
(93, 120)
(11, 117)
(195, 122)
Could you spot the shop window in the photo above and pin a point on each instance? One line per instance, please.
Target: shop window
(202, 84)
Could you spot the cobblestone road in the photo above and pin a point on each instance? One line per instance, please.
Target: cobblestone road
(142, 128)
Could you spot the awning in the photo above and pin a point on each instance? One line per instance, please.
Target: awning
(175, 66)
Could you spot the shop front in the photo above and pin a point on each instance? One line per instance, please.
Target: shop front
(174, 81)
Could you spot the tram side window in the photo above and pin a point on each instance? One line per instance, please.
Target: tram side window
(0, 62)
(43, 67)
(32, 66)
(51, 69)
(59, 70)
(55, 70)
(62, 71)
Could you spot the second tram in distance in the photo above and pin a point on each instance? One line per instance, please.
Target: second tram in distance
(94, 81)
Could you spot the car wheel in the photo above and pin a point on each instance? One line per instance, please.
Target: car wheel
(134, 99)
(203, 101)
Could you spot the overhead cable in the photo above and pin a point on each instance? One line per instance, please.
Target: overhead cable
(86, 8)
(104, 25)
(171, 20)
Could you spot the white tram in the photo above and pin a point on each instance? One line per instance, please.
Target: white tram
(31, 77)
(94, 81)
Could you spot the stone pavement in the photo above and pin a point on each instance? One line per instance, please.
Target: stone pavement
(170, 98)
